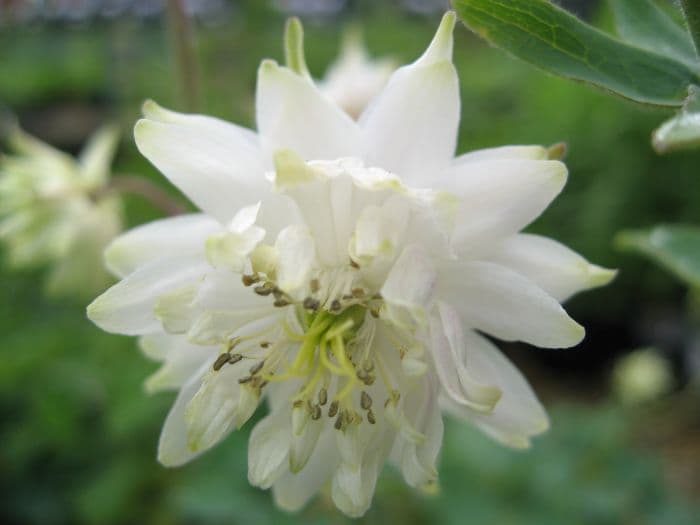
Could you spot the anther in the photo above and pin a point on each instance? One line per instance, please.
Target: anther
(365, 401)
(354, 264)
(316, 412)
(369, 381)
(374, 313)
(257, 367)
(277, 293)
(281, 302)
(368, 366)
(263, 384)
(234, 358)
(221, 361)
(265, 344)
(249, 280)
(333, 409)
(335, 305)
(315, 285)
(370, 417)
(264, 289)
(246, 379)
(358, 292)
(338, 422)
(311, 303)
(322, 396)
(298, 403)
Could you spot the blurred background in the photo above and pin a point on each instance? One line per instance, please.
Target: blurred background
(78, 434)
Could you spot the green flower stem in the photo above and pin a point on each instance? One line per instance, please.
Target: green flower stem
(184, 49)
(135, 185)
(691, 10)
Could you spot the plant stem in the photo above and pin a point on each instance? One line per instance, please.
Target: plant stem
(183, 43)
(691, 11)
(135, 185)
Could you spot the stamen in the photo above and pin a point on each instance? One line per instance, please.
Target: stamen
(245, 379)
(264, 289)
(221, 361)
(365, 400)
(249, 280)
(257, 367)
(333, 409)
(370, 417)
(322, 396)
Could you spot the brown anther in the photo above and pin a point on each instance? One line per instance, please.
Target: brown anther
(246, 379)
(257, 367)
(361, 375)
(358, 292)
(370, 417)
(402, 352)
(354, 264)
(235, 358)
(369, 381)
(277, 293)
(221, 361)
(316, 412)
(310, 303)
(265, 344)
(315, 285)
(335, 305)
(377, 296)
(263, 289)
(333, 409)
(298, 403)
(263, 384)
(322, 396)
(368, 366)
(249, 280)
(365, 401)
(338, 422)
(281, 302)
(374, 313)
(347, 297)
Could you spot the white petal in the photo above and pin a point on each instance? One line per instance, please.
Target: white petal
(96, 158)
(293, 114)
(411, 128)
(519, 415)
(303, 438)
(501, 197)
(128, 306)
(268, 449)
(447, 350)
(165, 238)
(502, 153)
(172, 446)
(296, 256)
(409, 288)
(502, 303)
(211, 414)
(556, 269)
(181, 360)
(218, 165)
(292, 491)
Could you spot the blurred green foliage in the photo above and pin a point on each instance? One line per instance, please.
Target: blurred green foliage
(79, 435)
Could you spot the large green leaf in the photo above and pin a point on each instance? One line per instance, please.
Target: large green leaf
(644, 24)
(683, 130)
(691, 11)
(553, 39)
(676, 248)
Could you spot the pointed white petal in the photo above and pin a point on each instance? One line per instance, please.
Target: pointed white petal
(128, 306)
(96, 158)
(519, 415)
(502, 303)
(447, 350)
(180, 359)
(165, 238)
(211, 413)
(500, 197)
(409, 288)
(501, 153)
(172, 446)
(411, 128)
(293, 114)
(556, 269)
(217, 165)
(268, 449)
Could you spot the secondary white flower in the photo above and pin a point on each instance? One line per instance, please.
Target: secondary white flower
(341, 270)
(53, 210)
(354, 79)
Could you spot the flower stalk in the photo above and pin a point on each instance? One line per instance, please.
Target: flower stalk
(182, 41)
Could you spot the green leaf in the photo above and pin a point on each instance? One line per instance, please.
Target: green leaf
(691, 11)
(643, 24)
(540, 33)
(674, 247)
(683, 130)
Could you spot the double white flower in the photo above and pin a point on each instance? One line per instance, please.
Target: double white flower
(343, 270)
(55, 209)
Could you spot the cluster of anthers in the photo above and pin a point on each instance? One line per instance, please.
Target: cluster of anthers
(334, 341)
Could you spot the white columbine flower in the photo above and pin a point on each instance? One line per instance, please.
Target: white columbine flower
(344, 271)
(54, 210)
(355, 78)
